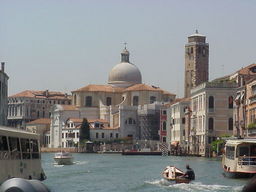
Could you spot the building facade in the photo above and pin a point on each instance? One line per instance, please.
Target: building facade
(3, 95)
(211, 115)
(29, 105)
(249, 98)
(196, 62)
(40, 126)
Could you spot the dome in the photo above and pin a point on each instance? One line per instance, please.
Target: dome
(124, 74)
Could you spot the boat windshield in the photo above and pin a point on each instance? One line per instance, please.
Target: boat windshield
(14, 148)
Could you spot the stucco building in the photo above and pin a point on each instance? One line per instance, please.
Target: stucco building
(211, 114)
(29, 105)
(125, 102)
(3, 95)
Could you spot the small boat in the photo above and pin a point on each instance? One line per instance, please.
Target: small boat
(239, 159)
(173, 174)
(63, 158)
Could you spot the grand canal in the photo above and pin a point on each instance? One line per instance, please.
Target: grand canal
(117, 173)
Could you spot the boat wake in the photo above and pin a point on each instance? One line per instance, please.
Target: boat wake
(80, 162)
(56, 165)
(195, 186)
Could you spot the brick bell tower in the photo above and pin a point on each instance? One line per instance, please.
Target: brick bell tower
(196, 62)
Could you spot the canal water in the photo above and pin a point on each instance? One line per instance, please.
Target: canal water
(117, 173)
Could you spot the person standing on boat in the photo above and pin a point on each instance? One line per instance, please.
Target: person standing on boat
(190, 174)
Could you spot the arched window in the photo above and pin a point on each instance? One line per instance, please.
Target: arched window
(230, 102)
(109, 100)
(230, 124)
(164, 126)
(74, 99)
(152, 99)
(135, 101)
(130, 120)
(210, 124)
(211, 102)
(88, 101)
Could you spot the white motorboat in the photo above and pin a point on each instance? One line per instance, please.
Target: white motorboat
(239, 158)
(173, 174)
(63, 158)
(19, 155)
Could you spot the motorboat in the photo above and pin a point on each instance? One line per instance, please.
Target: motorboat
(239, 158)
(20, 155)
(63, 158)
(174, 175)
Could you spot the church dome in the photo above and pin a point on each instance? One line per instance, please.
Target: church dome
(125, 73)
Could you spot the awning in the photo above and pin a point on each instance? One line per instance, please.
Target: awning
(175, 143)
(242, 96)
(238, 96)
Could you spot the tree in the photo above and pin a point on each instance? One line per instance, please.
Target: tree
(84, 132)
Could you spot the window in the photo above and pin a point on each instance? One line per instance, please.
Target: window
(34, 149)
(97, 135)
(164, 112)
(210, 124)
(152, 99)
(164, 139)
(111, 135)
(102, 135)
(243, 150)
(230, 124)
(116, 135)
(254, 90)
(14, 144)
(183, 120)
(88, 101)
(164, 126)
(109, 100)
(230, 152)
(204, 51)
(38, 114)
(135, 101)
(25, 148)
(191, 50)
(3, 143)
(230, 102)
(130, 121)
(211, 102)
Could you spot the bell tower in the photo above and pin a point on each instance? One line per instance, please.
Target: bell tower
(196, 62)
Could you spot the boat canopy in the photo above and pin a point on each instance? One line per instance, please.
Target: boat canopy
(240, 141)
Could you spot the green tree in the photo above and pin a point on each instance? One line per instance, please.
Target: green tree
(84, 132)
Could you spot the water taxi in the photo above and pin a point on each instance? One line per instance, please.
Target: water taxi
(19, 155)
(174, 175)
(239, 158)
(63, 158)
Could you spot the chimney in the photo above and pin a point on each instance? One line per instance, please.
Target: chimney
(2, 66)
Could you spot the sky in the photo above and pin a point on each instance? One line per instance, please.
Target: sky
(63, 45)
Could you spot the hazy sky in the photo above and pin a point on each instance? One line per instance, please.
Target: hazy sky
(63, 45)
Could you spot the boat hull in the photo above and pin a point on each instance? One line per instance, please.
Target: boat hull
(238, 174)
(178, 180)
(63, 161)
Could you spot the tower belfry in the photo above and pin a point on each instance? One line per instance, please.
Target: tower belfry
(196, 62)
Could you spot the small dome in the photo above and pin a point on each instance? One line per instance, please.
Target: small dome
(124, 75)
